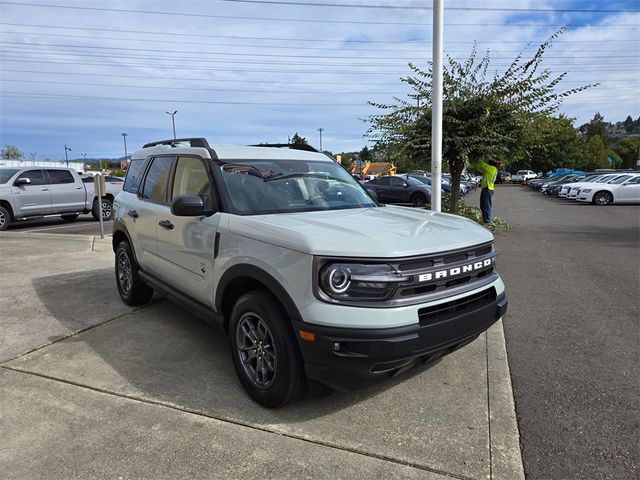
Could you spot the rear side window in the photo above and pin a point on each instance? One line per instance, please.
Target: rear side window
(155, 183)
(60, 176)
(134, 176)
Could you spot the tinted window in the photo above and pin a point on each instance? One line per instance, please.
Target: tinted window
(191, 178)
(134, 176)
(7, 173)
(36, 176)
(396, 182)
(634, 181)
(155, 182)
(60, 176)
(384, 181)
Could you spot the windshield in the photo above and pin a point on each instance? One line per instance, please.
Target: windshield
(422, 179)
(607, 179)
(7, 173)
(413, 181)
(285, 186)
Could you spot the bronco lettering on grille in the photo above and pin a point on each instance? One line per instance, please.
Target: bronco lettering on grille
(455, 271)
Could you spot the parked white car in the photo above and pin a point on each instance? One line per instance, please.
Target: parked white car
(576, 187)
(622, 189)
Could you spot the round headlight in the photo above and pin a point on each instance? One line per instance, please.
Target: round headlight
(339, 279)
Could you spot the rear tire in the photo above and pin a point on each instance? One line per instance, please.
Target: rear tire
(107, 210)
(5, 218)
(264, 350)
(602, 198)
(418, 200)
(70, 217)
(132, 290)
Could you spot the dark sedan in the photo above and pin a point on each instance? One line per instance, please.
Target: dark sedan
(396, 189)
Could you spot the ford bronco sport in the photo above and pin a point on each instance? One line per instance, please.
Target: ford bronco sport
(310, 276)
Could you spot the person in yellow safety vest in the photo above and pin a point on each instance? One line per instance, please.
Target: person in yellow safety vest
(489, 171)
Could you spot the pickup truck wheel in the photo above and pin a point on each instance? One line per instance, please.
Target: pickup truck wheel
(418, 200)
(131, 289)
(5, 218)
(107, 210)
(265, 355)
(602, 198)
(70, 218)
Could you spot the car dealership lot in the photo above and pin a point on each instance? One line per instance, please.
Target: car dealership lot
(93, 388)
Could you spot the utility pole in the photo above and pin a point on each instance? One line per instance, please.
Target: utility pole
(173, 121)
(84, 156)
(124, 137)
(66, 157)
(33, 158)
(436, 111)
(321, 130)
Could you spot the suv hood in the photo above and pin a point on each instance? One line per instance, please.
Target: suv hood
(386, 232)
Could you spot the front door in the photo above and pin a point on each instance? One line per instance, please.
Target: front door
(33, 198)
(629, 191)
(186, 245)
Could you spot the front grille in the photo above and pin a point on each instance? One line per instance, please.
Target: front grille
(447, 310)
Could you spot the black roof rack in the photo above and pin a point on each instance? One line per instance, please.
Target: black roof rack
(292, 146)
(193, 142)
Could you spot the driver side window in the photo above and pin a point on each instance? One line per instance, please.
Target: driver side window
(191, 178)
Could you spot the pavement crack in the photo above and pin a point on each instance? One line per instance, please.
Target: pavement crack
(239, 423)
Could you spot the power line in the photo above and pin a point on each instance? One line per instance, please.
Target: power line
(427, 7)
(241, 90)
(278, 55)
(315, 40)
(278, 82)
(306, 20)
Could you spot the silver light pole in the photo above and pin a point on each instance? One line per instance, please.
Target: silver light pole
(321, 130)
(66, 157)
(173, 121)
(124, 137)
(436, 112)
(33, 158)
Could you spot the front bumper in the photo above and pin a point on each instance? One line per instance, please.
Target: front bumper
(350, 358)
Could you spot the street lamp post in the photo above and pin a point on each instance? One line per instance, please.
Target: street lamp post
(173, 121)
(124, 137)
(84, 157)
(321, 130)
(33, 158)
(66, 157)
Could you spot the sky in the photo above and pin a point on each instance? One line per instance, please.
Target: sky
(80, 73)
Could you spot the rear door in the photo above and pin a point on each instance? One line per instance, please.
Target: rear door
(186, 244)
(34, 198)
(151, 206)
(67, 192)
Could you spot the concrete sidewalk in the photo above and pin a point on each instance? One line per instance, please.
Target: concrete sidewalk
(91, 388)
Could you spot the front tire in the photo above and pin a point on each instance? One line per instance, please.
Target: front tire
(5, 218)
(602, 198)
(131, 289)
(107, 210)
(265, 355)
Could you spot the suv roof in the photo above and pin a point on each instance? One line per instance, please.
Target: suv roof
(201, 147)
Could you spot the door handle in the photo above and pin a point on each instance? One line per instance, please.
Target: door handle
(44, 189)
(166, 224)
(79, 188)
(132, 213)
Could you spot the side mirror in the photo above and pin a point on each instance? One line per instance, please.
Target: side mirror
(22, 181)
(189, 206)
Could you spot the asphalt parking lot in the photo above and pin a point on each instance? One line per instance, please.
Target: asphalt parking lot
(572, 332)
(84, 225)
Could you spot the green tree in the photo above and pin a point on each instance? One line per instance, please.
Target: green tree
(629, 124)
(298, 140)
(596, 127)
(365, 154)
(11, 152)
(628, 149)
(483, 114)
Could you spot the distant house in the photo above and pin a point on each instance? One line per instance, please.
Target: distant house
(377, 168)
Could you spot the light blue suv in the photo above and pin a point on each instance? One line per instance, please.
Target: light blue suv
(310, 276)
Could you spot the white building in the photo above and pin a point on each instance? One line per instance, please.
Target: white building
(6, 163)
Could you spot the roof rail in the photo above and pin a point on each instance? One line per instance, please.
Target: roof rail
(193, 142)
(292, 146)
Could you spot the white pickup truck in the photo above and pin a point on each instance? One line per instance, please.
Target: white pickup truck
(523, 176)
(37, 192)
